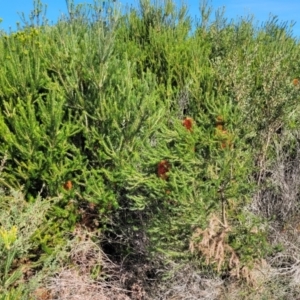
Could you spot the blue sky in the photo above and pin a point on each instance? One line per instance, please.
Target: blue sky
(286, 10)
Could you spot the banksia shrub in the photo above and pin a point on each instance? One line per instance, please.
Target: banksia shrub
(93, 112)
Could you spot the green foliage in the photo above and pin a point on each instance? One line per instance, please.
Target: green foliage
(93, 106)
(250, 242)
(235, 71)
(13, 294)
(48, 104)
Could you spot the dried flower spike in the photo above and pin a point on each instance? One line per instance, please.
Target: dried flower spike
(220, 120)
(221, 133)
(296, 82)
(220, 127)
(226, 144)
(220, 123)
(188, 123)
(68, 185)
(227, 141)
(225, 137)
(162, 168)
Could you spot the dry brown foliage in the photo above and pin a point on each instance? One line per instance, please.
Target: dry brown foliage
(74, 280)
(70, 285)
(211, 243)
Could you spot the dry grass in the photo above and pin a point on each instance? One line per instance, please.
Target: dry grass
(278, 197)
(188, 282)
(89, 274)
(278, 200)
(70, 285)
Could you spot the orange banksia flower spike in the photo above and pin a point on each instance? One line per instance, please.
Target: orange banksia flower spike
(68, 185)
(163, 168)
(296, 82)
(188, 123)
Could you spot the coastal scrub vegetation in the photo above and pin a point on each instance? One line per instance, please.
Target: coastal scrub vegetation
(148, 155)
